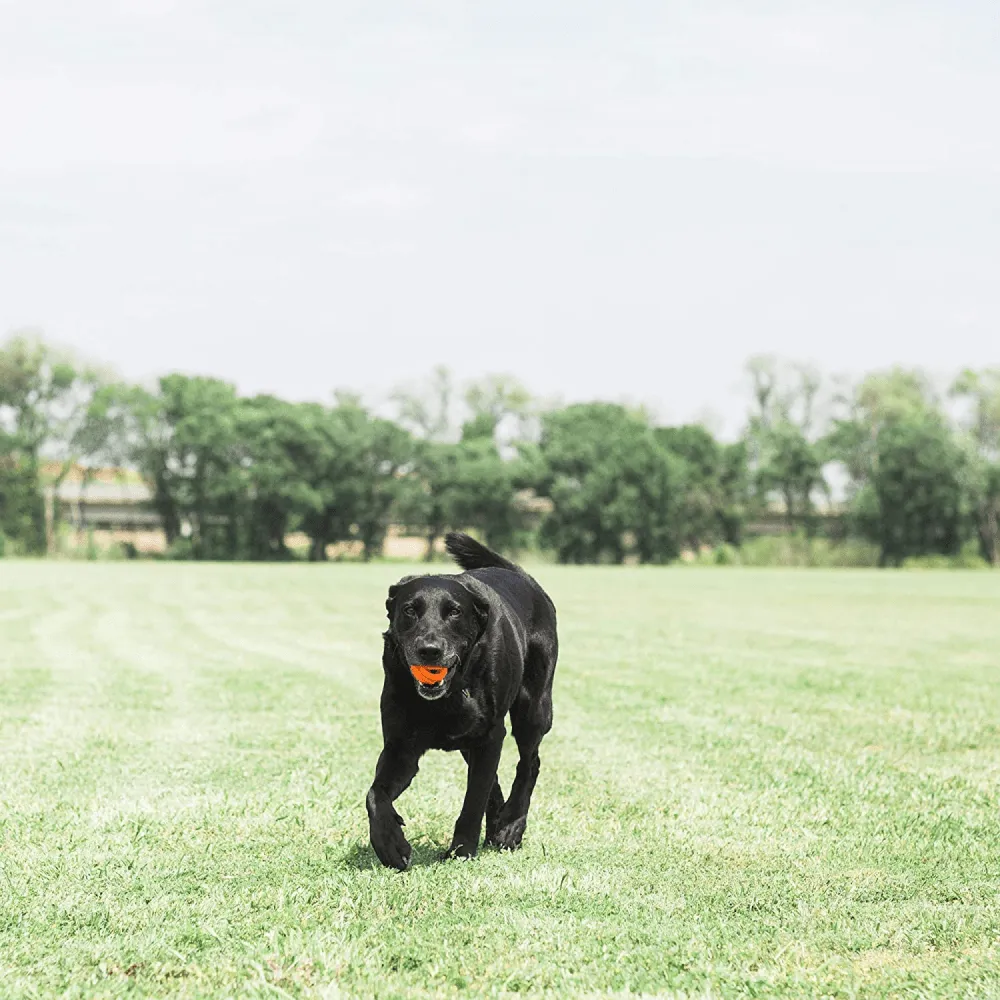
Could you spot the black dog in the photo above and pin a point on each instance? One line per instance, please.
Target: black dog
(494, 629)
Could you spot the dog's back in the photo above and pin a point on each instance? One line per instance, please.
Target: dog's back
(521, 592)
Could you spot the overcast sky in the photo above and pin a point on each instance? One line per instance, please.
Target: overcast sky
(618, 199)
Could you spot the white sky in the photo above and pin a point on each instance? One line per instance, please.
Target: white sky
(613, 200)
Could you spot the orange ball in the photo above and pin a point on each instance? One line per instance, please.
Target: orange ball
(428, 675)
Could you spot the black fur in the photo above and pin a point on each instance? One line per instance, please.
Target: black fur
(470, 554)
(494, 628)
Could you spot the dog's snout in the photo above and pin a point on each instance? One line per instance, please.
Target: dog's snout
(430, 653)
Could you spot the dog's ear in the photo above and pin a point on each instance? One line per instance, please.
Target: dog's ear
(390, 603)
(482, 610)
(480, 601)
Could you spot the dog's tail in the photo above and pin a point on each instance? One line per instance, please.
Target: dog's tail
(470, 554)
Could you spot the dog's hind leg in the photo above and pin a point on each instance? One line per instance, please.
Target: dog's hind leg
(493, 804)
(531, 719)
(483, 760)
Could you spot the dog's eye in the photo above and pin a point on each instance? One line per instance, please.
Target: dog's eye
(455, 613)
(410, 612)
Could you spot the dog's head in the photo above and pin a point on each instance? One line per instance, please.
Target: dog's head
(435, 621)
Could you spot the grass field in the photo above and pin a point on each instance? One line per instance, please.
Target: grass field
(759, 783)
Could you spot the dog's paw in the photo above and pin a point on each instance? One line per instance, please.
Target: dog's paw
(391, 847)
(508, 836)
(460, 850)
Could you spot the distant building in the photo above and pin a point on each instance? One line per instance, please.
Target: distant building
(107, 506)
(115, 506)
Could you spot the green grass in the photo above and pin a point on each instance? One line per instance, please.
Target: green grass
(759, 783)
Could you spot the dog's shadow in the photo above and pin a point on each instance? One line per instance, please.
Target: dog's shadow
(361, 857)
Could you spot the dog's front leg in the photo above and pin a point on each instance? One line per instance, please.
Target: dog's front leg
(393, 773)
(482, 760)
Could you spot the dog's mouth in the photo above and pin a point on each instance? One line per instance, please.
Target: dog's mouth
(432, 682)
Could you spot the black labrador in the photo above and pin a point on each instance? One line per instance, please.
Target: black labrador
(492, 630)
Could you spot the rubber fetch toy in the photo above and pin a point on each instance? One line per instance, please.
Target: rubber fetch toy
(429, 675)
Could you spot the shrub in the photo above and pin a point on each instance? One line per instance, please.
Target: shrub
(725, 555)
(968, 558)
(799, 550)
(180, 548)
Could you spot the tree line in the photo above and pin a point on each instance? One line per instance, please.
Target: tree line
(916, 471)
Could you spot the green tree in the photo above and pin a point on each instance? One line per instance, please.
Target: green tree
(44, 405)
(22, 513)
(387, 451)
(277, 441)
(980, 391)
(612, 485)
(712, 492)
(427, 411)
(735, 487)
(330, 446)
(784, 458)
(495, 401)
(205, 458)
(790, 465)
(880, 399)
(466, 486)
(905, 468)
(428, 501)
(917, 488)
(135, 432)
(484, 491)
(783, 394)
(352, 468)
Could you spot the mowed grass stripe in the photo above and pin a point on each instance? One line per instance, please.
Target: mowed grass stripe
(777, 781)
(140, 747)
(758, 784)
